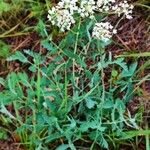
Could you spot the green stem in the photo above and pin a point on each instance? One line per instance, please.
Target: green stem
(75, 50)
(147, 139)
(38, 87)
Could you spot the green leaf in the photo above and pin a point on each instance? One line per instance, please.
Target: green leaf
(4, 49)
(129, 93)
(29, 52)
(63, 147)
(90, 103)
(18, 56)
(48, 45)
(103, 44)
(120, 105)
(70, 54)
(4, 7)
(52, 137)
(33, 68)
(24, 79)
(12, 80)
(121, 63)
(6, 112)
(134, 133)
(103, 142)
(114, 73)
(39, 147)
(130, 72)
(108, 104)
(40, 28)
(3, 134)
(2, 81)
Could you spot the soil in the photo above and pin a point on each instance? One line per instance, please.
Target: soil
(6, 145)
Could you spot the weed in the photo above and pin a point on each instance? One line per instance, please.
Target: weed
(76, 93)
(68, 99)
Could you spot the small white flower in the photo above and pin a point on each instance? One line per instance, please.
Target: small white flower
(114, 31)
(103, 31)
(101, 3)
(45, 104)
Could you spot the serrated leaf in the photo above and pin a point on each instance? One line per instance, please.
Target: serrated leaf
(24, 79)
(29, 52)
(41, 29)
(130, 72)
(48, 45)
(70, 54)
(104, 143)
(33, 68)
(18, 56)
(12, 81)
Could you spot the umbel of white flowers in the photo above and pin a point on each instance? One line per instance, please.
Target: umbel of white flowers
(62, 15)
(103, 31)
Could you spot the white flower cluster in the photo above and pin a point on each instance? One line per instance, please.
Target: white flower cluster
(62, 15)
(118, 8)
(87, 8)
(103, 31)
(123, 8)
